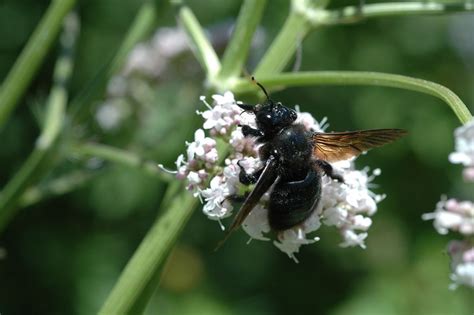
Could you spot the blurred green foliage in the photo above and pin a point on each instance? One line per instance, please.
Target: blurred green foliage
(63, 255)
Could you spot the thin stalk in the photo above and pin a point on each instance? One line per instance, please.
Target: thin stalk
(55, 187)
(364, 78)
(306, 15)
(200, 45)
(55, 115)
(352, 14)
(237, 51)
(143, 23)
(31, 57)
(122, 157)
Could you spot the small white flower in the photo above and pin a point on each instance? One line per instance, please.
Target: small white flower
(464, 154)
(200, 146)
(335, 216)
(359, 222)
(193, 178)
(468, 174)
(110, 114)
(241, 144)
(224, 100)
(224, 116)
(290, 241)
(216, 206)
(453, 215)
(351, 239)
(169, 42)
(464, 274)
(256, 224)
(144, 59)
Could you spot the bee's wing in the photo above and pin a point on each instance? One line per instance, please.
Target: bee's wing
(337, 146)
(265, 181)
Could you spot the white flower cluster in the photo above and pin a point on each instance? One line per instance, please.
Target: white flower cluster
(346, 206)
(462, 263)
(464, 154)
(349, 206)
(458, 216)
(148, 61)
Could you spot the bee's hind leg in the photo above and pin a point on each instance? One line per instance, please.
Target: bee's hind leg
(327, 168)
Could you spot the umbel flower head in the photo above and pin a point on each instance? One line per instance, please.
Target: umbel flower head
(462, 263)
(346, 206)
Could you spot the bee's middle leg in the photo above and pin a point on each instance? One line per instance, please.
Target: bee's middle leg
(248, 178)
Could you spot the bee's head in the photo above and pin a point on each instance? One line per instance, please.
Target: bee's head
(271, 116)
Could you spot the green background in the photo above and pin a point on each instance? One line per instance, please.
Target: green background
(63, 255)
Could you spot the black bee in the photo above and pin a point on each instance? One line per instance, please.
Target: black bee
(294, 162)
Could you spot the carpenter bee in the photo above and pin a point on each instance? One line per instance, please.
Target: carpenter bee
(295, 160)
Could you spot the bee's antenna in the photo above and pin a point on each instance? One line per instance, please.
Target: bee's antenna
(261, 86)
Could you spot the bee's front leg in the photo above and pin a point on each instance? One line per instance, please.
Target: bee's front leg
(327, 168)
(249, 131)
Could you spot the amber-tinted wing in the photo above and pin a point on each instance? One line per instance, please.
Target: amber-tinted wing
(337, 146)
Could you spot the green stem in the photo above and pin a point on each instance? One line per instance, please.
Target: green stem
(121, 157)
(200, 45)
(136, 283)
(31, 57)
(363, 78)
(306, 15)
(46, 144)
(353, 14)
(285, 44)
(238, 48)
(55, 187)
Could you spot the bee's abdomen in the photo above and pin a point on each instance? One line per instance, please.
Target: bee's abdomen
(291, 203)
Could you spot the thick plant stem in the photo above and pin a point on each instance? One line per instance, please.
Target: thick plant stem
(284, 46)
(46, 143)
(138, 281)
(237, 51)
(364, 78)
(31, 57)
